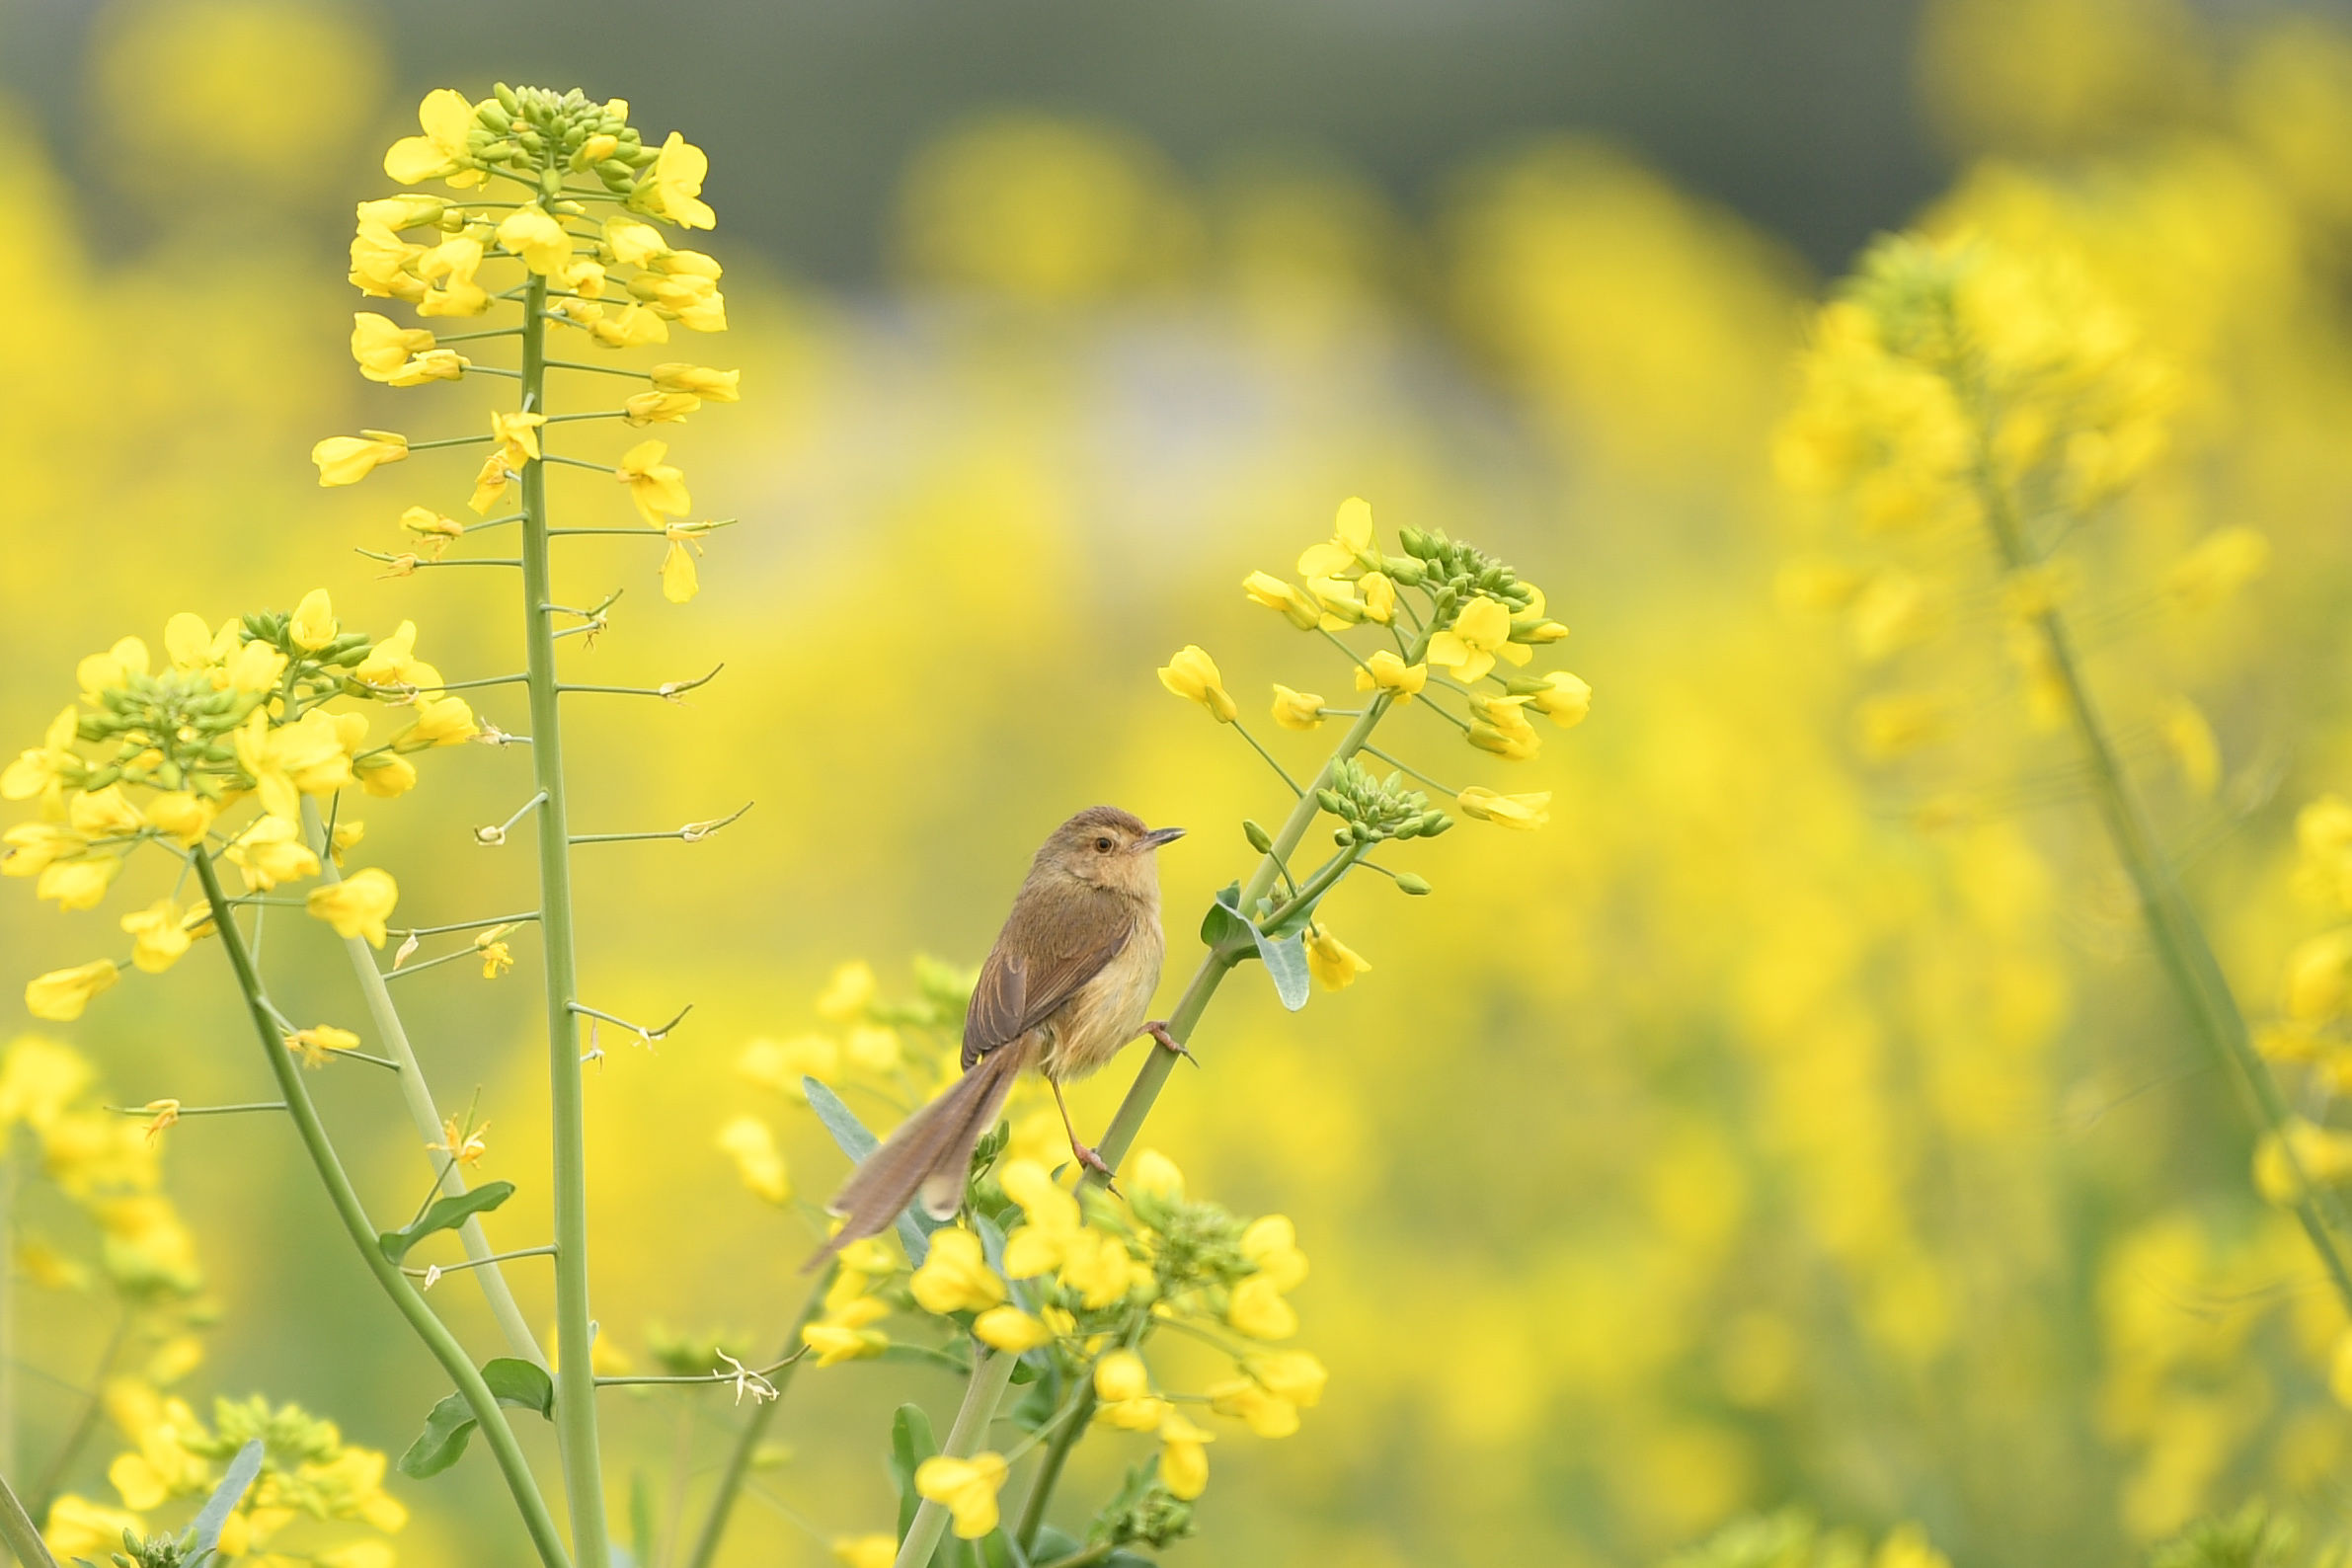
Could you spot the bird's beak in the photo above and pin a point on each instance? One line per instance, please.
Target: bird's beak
(1158, 836)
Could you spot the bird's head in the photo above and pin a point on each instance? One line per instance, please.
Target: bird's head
(1106, 848)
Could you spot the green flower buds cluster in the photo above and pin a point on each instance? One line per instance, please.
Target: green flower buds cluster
(1144, 1513)
(533, 131)
(1452, 572)
(1373, 809)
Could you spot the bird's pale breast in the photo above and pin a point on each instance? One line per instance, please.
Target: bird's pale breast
(1107, 1011)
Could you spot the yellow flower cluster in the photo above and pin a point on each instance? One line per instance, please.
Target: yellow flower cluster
(308, 1473)
(228, 714)
(615, 279)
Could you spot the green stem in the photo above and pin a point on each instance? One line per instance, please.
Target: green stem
(1049, 1470)
(479, 1400)
(992, 1375)
(575, 1377)
(424, 1114)
(2181, 946)
(746, 1442)
(16, 1528)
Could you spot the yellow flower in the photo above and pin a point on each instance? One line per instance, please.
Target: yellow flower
(1297, 710)
(310, 756)
(842, 1335)
(1258, 1310)
(497, 956)
(1267, 1413)
(781, 1064)
(1192, 675)
(1097, 1266)
(1351, 540)
(866, 1551)
(1184, 1457)
(873, 1048)
(98, 672)
(1497, 726)
(1468, 645)
(77, 1528)
(1272, 1243)
(1122, 1388)
(437, 531)
(385, 775)
(716, 386)
(634, 244)
(357, 905)
(105, 814)
(318, 1043)
(528, 232)
(2319, 977)
(382, 346)
(393, 662)
(61, 995)
(381, 262)
(848, 992)
(672, 187)
(270, 852)
(1272, 591)
(159, 935)
(452, 263)
(435, 364)
(1157, 1175)
(1292, 1376)
(956, 1276)
(1009, 1328)
(1052, 1215)
(758, 1162)
(633, 328)
(1332, 961)
(313, 624)
(47, 766)
(518, 435)
(1526, 812)
(658, 408)
(78, 884)
(2323, 1152)
(441, 721)
(347, 460)
(33, 848)
(2217, 566)
(411, 209)
(657, 488)
(465, 1145)
(967, 1487)
(1392, 675)
(445, 117)
(680, 580)
(1562, 697)
(490, 483)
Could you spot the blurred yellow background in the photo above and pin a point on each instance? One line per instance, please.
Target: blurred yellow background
(1736, 1140)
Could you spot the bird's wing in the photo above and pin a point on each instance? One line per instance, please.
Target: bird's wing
(1059, 936)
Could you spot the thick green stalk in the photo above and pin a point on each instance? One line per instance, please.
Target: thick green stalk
(576, 1379)
(1049, 1469)
(988, 1379)
(746, 1442)
(437, 1339)
(416, 1094)
(2180, 939)
(16, 1528)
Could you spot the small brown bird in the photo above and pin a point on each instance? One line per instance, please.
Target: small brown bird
(1065, 988)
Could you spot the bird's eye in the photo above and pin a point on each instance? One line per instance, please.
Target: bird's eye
(1102, 845)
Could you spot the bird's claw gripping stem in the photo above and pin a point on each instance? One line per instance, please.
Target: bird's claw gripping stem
(1157, 1029)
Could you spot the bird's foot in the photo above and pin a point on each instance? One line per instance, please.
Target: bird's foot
(1157, 1029)
(1091, 1160)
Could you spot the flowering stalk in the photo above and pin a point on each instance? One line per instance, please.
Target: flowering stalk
(2181, 946)
(445, 1350)
(748, 1441)
(1478, 611)
(16, 1528)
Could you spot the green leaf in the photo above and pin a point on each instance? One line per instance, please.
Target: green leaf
(446, 1213)
(914, 1226)
(910, 1444)
(205, 1533)
(1286, 960)
(1222, 926)
(449, 1425)
(1284, 956)
(1053, 1543)
(521, 1383)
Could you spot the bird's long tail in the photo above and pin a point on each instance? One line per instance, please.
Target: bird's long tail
(928, 1157)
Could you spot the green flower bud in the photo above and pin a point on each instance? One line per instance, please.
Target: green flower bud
(1416, 887)
(1416, 543)
(505, 97)
(1331, 801)
(1342, 836)
(1259, 839)
(1435, 824)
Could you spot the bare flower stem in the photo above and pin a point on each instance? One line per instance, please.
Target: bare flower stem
(576, 1379)
(746, 1442)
